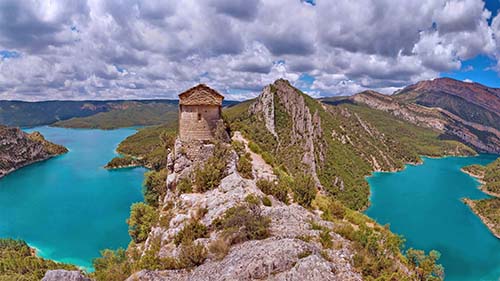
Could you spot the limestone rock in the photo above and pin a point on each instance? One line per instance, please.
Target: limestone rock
(18, 149)
(64, 275)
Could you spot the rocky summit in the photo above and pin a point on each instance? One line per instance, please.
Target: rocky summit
(18, 149)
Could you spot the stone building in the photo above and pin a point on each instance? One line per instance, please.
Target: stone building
(199, 110)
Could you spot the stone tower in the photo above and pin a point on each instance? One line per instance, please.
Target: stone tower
(199, 110)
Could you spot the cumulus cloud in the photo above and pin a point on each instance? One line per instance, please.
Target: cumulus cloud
(93, 49)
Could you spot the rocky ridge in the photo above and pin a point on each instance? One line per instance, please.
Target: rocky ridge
(284, 255)
(18, 149)
(481, 137)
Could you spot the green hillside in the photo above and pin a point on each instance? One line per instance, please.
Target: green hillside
(354, 142)
(134, 114)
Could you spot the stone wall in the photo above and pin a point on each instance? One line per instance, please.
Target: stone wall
(197, 122)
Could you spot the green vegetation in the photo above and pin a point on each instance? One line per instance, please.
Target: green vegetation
(129, 115)
(487, 209)
(350, 143)
(142, 218)
(279, 192)
(415, 140)
(475, 170)
(18, 262)
(426, 264)
(112, 265)
(51, 148)
(149, 146)
(492, 177)
(154, 186)
(120, 162)
(209, 175)
(243, 223)
(244, 166)
(304, 190)
(191, 232)
(266, 201)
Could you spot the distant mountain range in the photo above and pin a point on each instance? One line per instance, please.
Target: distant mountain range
(468, 112)
(89, 114)
(471, 101)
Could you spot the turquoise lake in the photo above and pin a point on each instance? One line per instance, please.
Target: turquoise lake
(70, 207)
(422, 203)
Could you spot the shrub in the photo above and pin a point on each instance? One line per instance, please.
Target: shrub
(112, 265)
(184, 185)
(242, 223)
(268, 158)
(192, 254)
(191, 232)
(331, 208)
(244, 166)
(254, 147)
(211, 173)
(325, 239)
(219, 248)
(142, 218)
(279, 192)
(252, 199)
(304, 190)
(426, 264)
(266, 201)
(304, 254)
(239, 147)
(154, 186)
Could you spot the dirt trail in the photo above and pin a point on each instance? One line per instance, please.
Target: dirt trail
(261, 169)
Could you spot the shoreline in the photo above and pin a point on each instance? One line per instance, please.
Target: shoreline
(491, 227)
(482, 183)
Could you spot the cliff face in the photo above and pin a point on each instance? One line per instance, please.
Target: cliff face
(18, 149)
(304, 127)
(482, 137)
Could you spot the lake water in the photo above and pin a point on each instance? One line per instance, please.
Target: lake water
(70, 207)
(423, 204)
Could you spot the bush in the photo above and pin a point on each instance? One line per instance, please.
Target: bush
(254, 147)
(252, 199)
(242, 223)
(331, 208)
(304, 190)
(244, 166)
(239, 147)
(426, 264)
(279, 192)
(191, 232)
(142, 218)
(219, 248)
(192, 254)
(325, 239)
(112, 265)
(184, 185)
(266, 201)
(211, 173)
(155, 186)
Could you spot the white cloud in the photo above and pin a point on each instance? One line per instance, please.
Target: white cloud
(148, 49)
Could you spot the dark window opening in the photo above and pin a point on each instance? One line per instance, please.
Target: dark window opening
(199, 116)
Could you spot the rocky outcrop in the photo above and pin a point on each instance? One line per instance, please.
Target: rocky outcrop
(481, 137)
(291, 252)
(64, 275)
(305, 128)
(18, 149)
